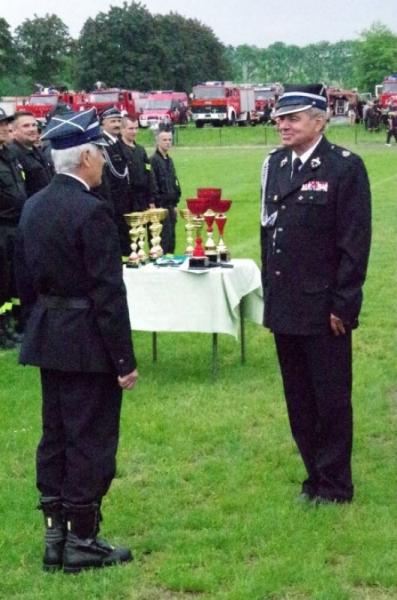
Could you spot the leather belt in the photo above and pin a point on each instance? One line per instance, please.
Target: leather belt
(65, 302)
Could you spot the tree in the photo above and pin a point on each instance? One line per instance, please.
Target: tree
(6, 47)
(119, 48)
(43, 44)
(375, 56)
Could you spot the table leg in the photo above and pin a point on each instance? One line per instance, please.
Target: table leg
(242, 331)
(214, 355)
(154, 346)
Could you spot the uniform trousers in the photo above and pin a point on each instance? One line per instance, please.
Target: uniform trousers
(317, 378)
(168, 240)
(76, 456)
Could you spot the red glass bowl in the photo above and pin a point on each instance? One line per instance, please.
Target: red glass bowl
(197, 206)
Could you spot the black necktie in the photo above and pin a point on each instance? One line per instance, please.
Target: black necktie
(296, 165)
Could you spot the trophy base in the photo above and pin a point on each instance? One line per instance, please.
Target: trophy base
(198, 262)
(224, 256)
(212, 258)
(131, 265)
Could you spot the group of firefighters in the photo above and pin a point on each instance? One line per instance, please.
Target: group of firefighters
(131, 182)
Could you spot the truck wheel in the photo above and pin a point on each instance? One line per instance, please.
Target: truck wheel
(199, 124)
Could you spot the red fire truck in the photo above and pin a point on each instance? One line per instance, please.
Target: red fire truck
(222, 103)
(42, 103)
(266, 96)
(164, 106)
(387, 92)
(339, 101)
(127, 101)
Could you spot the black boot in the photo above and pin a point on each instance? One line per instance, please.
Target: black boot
(55, 532)
(83, 550)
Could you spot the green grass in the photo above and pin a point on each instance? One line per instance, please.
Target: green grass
(207, 471)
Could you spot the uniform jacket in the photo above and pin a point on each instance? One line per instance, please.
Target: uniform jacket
(167, 190)
(68, 247)
(315, 238)
(38, 170)
(12, 188)
(140, 175)
(115, 188)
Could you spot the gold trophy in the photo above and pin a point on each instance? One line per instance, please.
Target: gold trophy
(155, 217)
(134, 222)
(142, 237)
(188, 217)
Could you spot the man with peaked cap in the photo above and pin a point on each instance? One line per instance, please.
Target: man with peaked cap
(315, 238)
(69, 278)
(115, 187)
(12, 199)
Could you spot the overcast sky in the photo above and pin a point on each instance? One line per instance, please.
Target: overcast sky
(235, 22)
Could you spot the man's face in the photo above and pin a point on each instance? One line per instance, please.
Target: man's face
(299, 130)
(164, 141)
(95, 166)
(112, 125)
(25, 131)
(129, 132)
(4, 137)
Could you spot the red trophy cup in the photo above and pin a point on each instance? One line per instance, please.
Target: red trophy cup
(198, 207)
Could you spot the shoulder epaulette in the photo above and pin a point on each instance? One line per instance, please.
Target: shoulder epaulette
(341, 151)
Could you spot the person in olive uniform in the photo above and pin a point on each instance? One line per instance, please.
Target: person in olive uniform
(37, 168)
(315, 238)
(69, 278)
(115, 187)
(12, 199)
(139, 167)
(167, 190)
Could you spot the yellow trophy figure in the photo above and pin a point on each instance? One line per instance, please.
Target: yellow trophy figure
(155, 217)
(133, 220)
(188, 217)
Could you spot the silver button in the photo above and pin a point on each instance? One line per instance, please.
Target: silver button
(283, 207)
(278, 273)
(278, 251)
(280, 229)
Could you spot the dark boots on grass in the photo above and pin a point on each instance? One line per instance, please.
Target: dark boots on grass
(71, 540)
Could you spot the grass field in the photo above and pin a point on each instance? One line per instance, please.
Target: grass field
(207, 471)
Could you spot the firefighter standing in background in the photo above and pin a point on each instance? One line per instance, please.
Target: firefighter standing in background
(167, 190)
(37, 168)
(139, 167)
(115, 187)
(69, 277)
(12, 199)
(316, 227)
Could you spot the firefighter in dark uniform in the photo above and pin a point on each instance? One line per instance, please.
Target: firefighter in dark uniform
(37, 168)
(12, 198)
(115, 187)
(139, 167)
(167, 190)
(315, 239)
(69, 277)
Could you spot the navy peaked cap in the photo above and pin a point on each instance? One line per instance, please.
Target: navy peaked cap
(111, 112)
(5, 117)
(74, 129)
(297, 98)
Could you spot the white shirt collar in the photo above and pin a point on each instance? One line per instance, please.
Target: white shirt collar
(85, 184)
(306, 154)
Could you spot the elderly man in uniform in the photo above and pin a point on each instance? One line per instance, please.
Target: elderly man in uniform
(69, 277)
(315, 239)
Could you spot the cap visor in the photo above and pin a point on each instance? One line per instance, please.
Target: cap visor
(289, 110)
(100, 141)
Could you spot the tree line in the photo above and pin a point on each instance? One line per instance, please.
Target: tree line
(131, 48)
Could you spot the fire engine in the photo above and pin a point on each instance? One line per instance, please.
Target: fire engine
(127, 101)
(164, 106)
(387, 92)
(340, 100)
(222, 103)
(266, 96)
(45, 101)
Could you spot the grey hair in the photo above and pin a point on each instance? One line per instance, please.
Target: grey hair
(317, 113)
(69, 160)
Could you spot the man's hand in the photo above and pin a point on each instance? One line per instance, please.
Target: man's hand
(128, 381)
(337, 325)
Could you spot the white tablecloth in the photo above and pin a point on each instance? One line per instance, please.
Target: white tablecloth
(171, 299)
